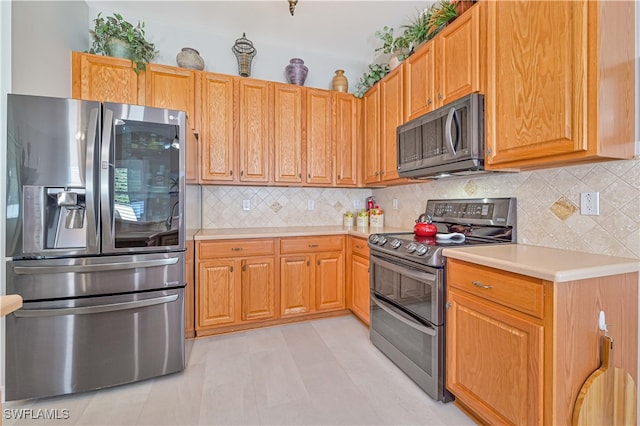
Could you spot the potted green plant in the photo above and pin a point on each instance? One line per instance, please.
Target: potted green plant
(114, 36)
(441, 14)
(417, 32)
(375, 73)
(395, 46)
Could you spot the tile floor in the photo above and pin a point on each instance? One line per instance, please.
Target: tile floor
(311, 373)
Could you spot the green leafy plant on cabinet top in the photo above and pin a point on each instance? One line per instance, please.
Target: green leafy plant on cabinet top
(141, 52)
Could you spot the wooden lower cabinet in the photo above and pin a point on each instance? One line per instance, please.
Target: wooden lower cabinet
(358, 287)
(248, 283)
(311, 275)
(518, 348)
(234, 290)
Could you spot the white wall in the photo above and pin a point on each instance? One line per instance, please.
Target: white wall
(44, 33)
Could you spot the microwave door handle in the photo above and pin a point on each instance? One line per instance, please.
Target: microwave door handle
(105, 184)
(452, 116)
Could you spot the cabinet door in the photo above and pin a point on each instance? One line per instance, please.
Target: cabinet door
(295, 285)
(217, 294)
(391, 116)
(419, 82)
(171, 88)
(535, 106)
(360, 287)
(254, 121)
(458, 58)
(258, 289)
(319, 139)
(494, 360)
(346, 127)
(329, 281)
(102, 78)
(371, 140)
(287, 133)
(217, 160)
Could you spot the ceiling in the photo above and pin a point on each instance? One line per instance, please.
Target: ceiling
(343, 28)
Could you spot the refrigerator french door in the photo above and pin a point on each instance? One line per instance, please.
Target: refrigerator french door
(95, 244)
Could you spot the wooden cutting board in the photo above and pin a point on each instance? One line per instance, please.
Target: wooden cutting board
(608, 396)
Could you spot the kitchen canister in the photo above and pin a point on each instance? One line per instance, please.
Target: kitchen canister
(347, 220)
(376, 218)
(362, 220)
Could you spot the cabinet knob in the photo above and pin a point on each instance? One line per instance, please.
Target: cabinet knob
(230, 172)
(339, 177)
(376, 174)
(241, 172)
(244, 266)
(488, 151)
(318, 262)
(300, 175)
(309, 175)
(448, 305)
(230, 268)
(381, 172)
(440, 96)
(307, 263)
(429, 101)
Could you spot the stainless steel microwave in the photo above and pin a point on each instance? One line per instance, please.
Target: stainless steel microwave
(447, 141)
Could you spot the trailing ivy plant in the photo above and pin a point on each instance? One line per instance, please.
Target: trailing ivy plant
(142, 52)
(375, 73)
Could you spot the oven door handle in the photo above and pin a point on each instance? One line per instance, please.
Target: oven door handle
(402, 318)
(420, 276)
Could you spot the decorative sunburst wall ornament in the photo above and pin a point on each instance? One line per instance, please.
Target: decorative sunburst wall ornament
(292, 6)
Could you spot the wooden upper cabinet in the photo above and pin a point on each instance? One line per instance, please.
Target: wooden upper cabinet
(391, 116)
(217, 149)
(371, 139)
(346, 126)
(106, 79)
(458, 57)
(319, 140)
(172, 88)
(565, 95)
(254, 121)
(287, 133)
(419, 82)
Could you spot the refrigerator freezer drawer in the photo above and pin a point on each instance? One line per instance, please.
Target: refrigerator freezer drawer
(77, 345)
(93, 276)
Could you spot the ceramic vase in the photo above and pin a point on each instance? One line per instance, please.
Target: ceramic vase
(394, 62)
(296, 71)
(340, 82)
(118, 48)
(190, 58)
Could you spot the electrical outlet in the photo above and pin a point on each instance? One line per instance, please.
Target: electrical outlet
(356, 205)
(311, 205)
(590, 203)
(246, 204)
(395, 204)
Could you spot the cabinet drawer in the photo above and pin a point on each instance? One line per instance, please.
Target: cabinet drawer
(235, 248)
(522, 293)
(312, 244)
(359, 246)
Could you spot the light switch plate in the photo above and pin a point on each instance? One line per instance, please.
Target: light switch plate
(395, 204)
(246, 204)
(311, 205)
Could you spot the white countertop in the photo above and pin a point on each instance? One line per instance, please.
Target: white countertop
(288, 231)
(9, 303)
(543, 262)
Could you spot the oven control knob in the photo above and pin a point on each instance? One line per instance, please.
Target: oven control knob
(421, 250)
(373, 238)
(382, 240)
(396, 243)
(411, 247)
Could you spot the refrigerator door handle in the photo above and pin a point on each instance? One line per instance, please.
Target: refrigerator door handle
(117, 266)
(105, 179)
(90, 203)
(111, 307)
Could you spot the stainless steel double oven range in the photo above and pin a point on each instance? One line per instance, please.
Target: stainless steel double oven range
(408, 283)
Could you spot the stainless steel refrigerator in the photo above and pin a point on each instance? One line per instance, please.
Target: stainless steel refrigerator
(95, 244)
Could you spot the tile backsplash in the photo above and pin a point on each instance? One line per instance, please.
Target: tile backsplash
(548, 204)
(222, 206)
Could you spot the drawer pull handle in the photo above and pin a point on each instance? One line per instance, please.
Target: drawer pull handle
(479, 284)
(236, 248)
(313, 245)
